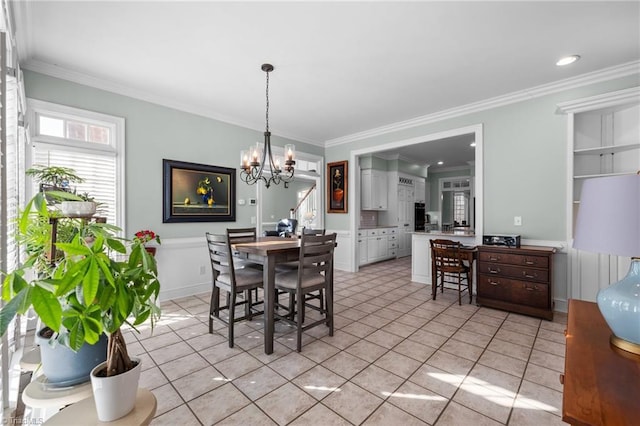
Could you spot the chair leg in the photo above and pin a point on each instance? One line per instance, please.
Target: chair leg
(459, 289)
(247, 306)
(292, 310)
(469, 287)
(214, 306)
(329, 311)
(232, 314)
(300, 305)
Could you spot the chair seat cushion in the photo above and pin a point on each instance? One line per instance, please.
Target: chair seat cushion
(289, 280)
(245, 277)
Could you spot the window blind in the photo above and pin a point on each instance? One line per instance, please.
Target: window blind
(97, 168)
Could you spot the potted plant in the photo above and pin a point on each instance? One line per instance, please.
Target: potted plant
(94, 288)
(54, 178)
(145, 236)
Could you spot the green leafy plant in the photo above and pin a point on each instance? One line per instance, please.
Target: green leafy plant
(55, 176)
(93, 288)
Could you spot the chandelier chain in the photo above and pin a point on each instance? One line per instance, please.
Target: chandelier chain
(267, 95)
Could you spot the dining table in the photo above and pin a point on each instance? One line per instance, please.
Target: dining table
(269, 251)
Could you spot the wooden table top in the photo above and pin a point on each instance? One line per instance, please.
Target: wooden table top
(601, 382)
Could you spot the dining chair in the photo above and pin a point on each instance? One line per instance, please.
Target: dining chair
(311, 231)
(231, 280)
(449, 267)
(314, 274)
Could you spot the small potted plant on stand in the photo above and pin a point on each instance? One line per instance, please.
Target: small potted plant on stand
(94, 288)
(145, 236)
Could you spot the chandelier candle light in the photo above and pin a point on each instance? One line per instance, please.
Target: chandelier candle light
(256, 162)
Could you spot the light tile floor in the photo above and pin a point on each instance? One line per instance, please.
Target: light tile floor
(397, 358)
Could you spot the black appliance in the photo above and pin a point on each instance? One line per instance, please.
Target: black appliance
(419, 212)
(501, 240)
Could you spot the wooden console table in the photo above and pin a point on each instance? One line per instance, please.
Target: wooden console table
(601, 383)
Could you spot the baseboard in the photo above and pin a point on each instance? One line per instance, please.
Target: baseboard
(188, 290)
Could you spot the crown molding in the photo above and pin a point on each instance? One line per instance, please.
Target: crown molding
(605, 74)
(620, 97)
(131, 92)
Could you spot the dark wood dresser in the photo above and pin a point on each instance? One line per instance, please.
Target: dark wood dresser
(516, 279)
(601, 382)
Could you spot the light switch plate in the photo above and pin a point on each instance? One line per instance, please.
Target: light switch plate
(517, 220)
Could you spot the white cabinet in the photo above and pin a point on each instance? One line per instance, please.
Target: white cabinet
(363, 251)
(604, 140)
(420, 191)
(405, 219)
(377, 244)
(373, 189)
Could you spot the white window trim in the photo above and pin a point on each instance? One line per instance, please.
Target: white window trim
(116, 125)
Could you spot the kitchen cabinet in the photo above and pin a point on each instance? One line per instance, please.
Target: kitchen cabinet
(377, 244)
(420, 191)
(363, 252)
(373, 189)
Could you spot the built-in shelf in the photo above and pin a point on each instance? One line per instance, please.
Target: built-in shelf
(611, 149)
(603, 175)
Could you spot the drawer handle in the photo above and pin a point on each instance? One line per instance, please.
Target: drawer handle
(494, 283)
(494, 271)
(531, 288)
(529, 262)
(494, 259)
(561, 377)
(524, 274)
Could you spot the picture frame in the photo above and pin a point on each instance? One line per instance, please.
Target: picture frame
(197, 192)
(337, 182)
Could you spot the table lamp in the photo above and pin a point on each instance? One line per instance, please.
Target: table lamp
(609, 222)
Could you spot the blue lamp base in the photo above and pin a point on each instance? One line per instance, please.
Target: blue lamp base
(620, 306)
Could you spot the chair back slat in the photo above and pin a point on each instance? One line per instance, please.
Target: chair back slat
(220, 256)
(241, 235)
(316, 255)
(445, 255)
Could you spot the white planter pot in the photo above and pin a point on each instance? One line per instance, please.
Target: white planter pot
(115, 396)
(78, 208)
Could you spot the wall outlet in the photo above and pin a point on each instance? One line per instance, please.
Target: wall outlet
(517, 220)
(202, 270)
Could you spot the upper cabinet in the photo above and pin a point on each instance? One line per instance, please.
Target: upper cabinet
(373, 189)
(420, 190)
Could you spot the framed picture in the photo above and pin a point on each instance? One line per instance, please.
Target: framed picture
(198, 193)
(337, 177)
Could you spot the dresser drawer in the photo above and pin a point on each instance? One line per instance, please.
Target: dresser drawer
(514, 259)
(517, 272)
(514, 291)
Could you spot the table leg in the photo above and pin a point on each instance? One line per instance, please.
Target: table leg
(269, 277)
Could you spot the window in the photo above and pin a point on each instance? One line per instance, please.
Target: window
(90, 143)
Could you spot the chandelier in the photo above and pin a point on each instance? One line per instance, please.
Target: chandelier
(257, 163)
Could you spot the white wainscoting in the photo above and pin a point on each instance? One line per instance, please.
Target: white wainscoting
(342, 254)
(183, 267)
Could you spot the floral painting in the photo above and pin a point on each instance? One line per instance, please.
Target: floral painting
(337, 187)
(198, 192)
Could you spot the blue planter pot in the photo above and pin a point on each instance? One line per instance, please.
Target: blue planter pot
(64, 367)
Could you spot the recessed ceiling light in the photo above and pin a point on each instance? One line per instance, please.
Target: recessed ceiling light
(472, 144)
(440, 163)
(567, 60)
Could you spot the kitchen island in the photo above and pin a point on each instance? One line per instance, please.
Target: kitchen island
(421, 250)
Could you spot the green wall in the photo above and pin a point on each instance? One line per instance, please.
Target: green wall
(525, 160)
(155, 132)
(525, 149)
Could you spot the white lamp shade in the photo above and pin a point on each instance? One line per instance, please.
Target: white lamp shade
(609, 216)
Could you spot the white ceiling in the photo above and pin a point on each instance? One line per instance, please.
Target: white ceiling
(340, 67)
